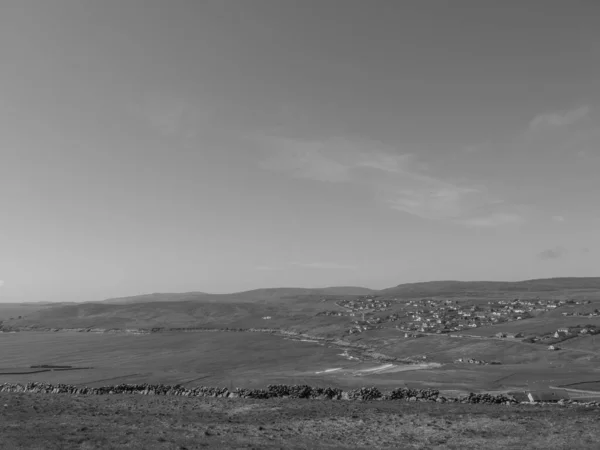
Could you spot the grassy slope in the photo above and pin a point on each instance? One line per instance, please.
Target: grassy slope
(255, 360)
(296, 309)
(490, 288)
(30, 421)
(541, 324)
(8, 310)
(253, 295)
(244, 359)
(291, 306)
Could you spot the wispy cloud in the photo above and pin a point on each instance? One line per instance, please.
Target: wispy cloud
(558, 119)
(432, 199)
(325, 265)
(395, 178)
(1, 283)
(493, 220)
(558, 218)
(304, 159)
(553, 253)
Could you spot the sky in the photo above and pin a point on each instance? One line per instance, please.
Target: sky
(225, 145)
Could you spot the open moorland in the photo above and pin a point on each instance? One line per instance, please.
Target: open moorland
(447, 335)
(35, 421)
(537, 338)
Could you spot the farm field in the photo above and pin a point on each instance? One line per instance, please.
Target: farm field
(243, 359)
(544, 323)
(65, 422)
(585, 386)
(458, 359)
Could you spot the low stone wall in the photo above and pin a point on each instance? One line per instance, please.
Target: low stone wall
(273, 391)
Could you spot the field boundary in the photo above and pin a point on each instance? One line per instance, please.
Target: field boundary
(279, 391)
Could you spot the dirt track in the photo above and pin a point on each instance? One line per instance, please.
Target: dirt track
(34, 421)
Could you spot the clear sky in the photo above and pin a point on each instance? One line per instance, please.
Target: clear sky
(221, 145)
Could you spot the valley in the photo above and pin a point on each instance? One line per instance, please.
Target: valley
(343, 337)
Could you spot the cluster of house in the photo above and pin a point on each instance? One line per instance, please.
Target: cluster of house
(330, 313)
(564, 333)
(503, 335)
(372, 323)
(444, 316)
(594, 313)
(475, 361)
(370, 303)
(552, 338)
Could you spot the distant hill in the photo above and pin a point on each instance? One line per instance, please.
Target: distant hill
(457, 288)
(157, 297)
(348, 290)
(253, 295)
(287, 308)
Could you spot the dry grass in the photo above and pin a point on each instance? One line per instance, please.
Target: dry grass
(30, 421)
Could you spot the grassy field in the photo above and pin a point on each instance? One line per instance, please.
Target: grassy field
(542, 324)
(243, 359)
(256, 359)
(593, 385)
(251, 359)
(14, 310)
(53, 422)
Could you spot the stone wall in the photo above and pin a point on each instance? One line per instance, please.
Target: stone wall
(273, 391)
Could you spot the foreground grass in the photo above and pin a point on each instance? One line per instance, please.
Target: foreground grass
(38, 421)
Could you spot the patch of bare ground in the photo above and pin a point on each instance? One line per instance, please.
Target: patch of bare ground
(35, 421)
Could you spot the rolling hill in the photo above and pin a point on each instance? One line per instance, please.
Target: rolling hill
(289, 308)
(453, 288)
(253, 295)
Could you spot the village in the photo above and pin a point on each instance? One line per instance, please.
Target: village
(444, 315)
(563, 334)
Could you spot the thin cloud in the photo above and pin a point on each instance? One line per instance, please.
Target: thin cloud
(553, 253)
(397, 180)
(334, 160)
(559, 119)
(305, 160)
(438, 201)
(493, 220)
(1, 283)
(558, 218)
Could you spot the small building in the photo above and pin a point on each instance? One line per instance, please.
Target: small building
(547, 396)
